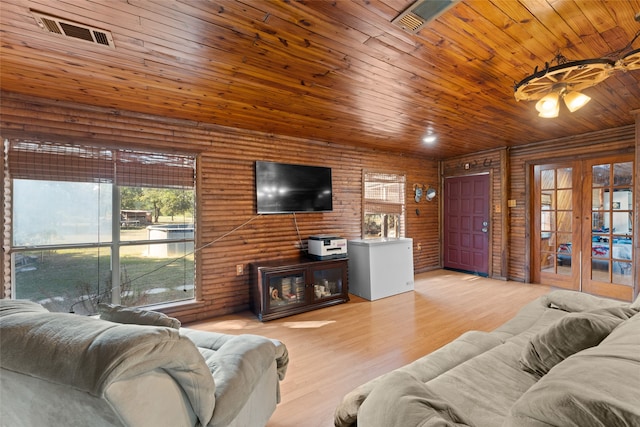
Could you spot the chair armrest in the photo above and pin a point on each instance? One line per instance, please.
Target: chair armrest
(237, 363)
(214, 341)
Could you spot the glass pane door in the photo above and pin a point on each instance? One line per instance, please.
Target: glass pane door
(555, 255)
(608, 248)
(583, 226)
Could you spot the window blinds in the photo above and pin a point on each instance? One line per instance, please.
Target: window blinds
(79, 163)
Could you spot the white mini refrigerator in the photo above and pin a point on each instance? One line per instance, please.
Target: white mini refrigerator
(379, 268)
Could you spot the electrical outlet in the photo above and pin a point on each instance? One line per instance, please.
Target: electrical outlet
(239, 270)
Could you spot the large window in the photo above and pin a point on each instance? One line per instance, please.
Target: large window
(91, 224)
(383, 205)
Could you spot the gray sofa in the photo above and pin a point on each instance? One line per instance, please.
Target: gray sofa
(59, 369)
(566, 359)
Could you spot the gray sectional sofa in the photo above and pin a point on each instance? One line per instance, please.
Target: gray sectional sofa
(131, 368)
(566, 359)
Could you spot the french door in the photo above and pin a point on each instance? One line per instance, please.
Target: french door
(583, 226)
(557, 230)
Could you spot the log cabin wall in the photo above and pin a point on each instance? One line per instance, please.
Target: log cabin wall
(226, 188)
(523, 158)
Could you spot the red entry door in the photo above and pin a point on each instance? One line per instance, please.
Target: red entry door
(466, 224)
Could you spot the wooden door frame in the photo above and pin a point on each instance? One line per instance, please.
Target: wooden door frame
(497, 163)
(529, 204)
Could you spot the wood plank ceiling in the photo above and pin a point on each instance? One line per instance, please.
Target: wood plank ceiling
(337, 71)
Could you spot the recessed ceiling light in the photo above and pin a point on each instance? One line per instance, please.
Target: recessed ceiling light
(429, 139)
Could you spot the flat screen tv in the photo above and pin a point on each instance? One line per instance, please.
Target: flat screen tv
(287, 188)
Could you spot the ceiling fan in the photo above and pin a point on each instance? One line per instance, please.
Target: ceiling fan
(567, 79)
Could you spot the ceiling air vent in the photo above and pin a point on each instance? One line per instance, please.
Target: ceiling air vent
(420, 13)
(72, 29)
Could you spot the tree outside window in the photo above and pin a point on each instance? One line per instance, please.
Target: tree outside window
(91, 225)
(383, 205)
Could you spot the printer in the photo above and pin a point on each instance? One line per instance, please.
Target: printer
(326, 247)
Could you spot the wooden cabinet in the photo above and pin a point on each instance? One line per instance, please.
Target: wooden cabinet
(286, 287)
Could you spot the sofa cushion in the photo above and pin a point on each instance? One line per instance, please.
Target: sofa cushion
(136, 316)
(572, 333)
(485, 387)
(401, 400)
(533, 316)
(465, 347)
(573, 301)
(90, 354)
(20, 306)
(595, 387)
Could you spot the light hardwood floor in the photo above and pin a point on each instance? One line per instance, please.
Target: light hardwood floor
(335, 349)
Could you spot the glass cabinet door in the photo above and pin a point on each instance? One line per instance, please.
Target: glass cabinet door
(327, 282)
(285, 289)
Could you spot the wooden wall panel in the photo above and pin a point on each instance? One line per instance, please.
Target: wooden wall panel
(226, 194)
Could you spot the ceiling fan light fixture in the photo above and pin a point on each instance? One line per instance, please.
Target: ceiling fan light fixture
(566, 79)
(549, 105)
(575, 100)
